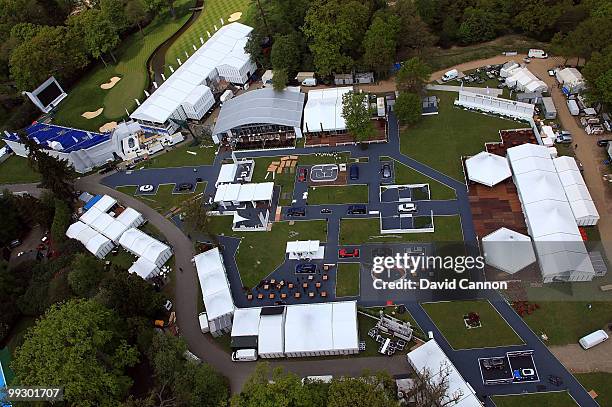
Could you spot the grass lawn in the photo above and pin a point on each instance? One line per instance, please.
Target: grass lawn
(261, 252)
(286, 180)
(441, 140)
(448, 317)
(567, 321)
(16, 170)
(407, 175)
(344, 194)
(182, 157)
(358, 231)
(600, 382)
(164, 199)
(347, 279)
(132, 57)
(553, 399)
(323, 158)
(210, 16)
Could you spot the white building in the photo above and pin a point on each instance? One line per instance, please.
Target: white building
(508, 250)
(490, 104)
(271, 336)
(237, 194)
(487, 169)
(187, 93)
(94, 242)
(305, 249)
(577, 194)
(323, 111)
(571, 79)
(245, 328)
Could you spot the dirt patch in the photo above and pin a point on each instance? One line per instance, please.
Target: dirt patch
(108, 126)
(91, 115)
(578, 360)
(112, 82)
(235, 16)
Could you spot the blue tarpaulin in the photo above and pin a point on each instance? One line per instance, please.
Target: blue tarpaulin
(92, 202)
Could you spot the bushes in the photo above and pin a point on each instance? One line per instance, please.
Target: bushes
(61, 221)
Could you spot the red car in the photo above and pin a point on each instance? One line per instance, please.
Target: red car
(344, 253)
(302, 174)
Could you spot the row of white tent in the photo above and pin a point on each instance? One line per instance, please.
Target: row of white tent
(96, 243)
(500, 106)
(525, 81)
(239, 193)
(151, 253)
(548, 214)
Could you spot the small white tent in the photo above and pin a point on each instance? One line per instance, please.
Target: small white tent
(93, 241)
(508, 250)
(143, 245)
(488, 169)
(144, 268)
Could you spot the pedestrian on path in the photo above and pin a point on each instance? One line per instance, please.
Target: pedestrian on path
(181, 269)
(575, 146)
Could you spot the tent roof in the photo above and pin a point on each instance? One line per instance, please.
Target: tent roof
(144, 268)
(548, 217)
(302, 246)
(130, 217)
(344, 325)
(227, 173)
(527, 150)
(213, 283)
(488, 169)
(528, 164)
(565, 163)
(105, 203)
(508, 250)
(271, 334)
(538, 186)
(323, 110)
(244, 192)
(246, 322)
(143, 245)
(261, 106)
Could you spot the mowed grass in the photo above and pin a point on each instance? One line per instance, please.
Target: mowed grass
(260, 253)
(210, 16)
(600, 382)
(359, 231)
(407, 175)
(448, 317)
(566, 322)
(164, 200)
(347, 279)
(441, 140)
(285, 180)
(344, 194)
(552, 399)
(182, 157)
(132, 56)
(16, 170)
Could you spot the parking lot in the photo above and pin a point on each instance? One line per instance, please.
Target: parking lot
(514, 367)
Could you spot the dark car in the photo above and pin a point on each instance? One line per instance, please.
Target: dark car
(185, 186)
(354, 172)
(299, 211)
(302, 173)
(357, 210)
(386, 171)
(306, 268)
(603, 143)
(346, 253)
(326, 210)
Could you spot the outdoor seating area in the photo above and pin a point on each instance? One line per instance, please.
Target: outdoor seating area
(264, 141)
(304, 288)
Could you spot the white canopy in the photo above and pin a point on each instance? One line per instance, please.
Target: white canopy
(536, 86)
(508, 250)
(323, 111)
(246, 322)
(570, 78)
(579, 197)
(565, 163)
(488, 169)
(244, 192)
(527, 150)
(429, 358)
(131, 218)
(227, 173)
(490, 104)
(114, 230)
(104, 203)
(213, 283)
(302, 246)
(93, 241)
(144, 268)
(271, 340)
(538, 186)
(143, 245)
(507, 68)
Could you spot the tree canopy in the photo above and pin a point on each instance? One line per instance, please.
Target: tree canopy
(413, 75)
(357, 115)
(408, 108)
(380, 43)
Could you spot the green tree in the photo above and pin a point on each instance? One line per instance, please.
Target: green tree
(408, 108)
(128, 295)
(280, 79)
(380, 43)
(86, 274)
(478, 25)
(285, 53)
(61, 221)
(98, 32)
(10, 224)
(266, 388)
(195, 215)
(114, 11)
(413, 75)
(357, 116)
(135, 13)
(13, 283)
(368, 390)
(413, 31)
(77, 344)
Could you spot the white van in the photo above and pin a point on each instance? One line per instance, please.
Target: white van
(537, 53)
(203, 322)
(309, 82)
(227, 95)
(573, 107)
(244, 355)
(450, 75)
(592, 339)
(321, 379)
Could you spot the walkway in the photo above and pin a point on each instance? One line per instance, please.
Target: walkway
(578, 360)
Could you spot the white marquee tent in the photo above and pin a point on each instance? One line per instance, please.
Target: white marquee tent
(271, 340)
(246, 322)
(508, 250)
(227, 174)
(104, 203)
(571, 79)
(430, 359)
(143, 245)
(490, 104)
(93, 241)
(323, 111)
(488, 169)
(131, 217)
(577, 194)
(144, 268)
(239, 193)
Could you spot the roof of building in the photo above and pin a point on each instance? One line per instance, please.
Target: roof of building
(302, 246)
(488, 169)
(508, 250)
(60, 138)
(213, 283)
(144, 245)
(323, 111)
(244, 192)
(261, 106)
(246, 322)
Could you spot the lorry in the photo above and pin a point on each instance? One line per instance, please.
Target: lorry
(244, 355)
(573, 107)
(593, 339)
(537, 53)
(227, 95)
(450, 75)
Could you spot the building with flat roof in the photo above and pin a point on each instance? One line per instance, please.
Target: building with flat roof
(261, 118)
(323, 111)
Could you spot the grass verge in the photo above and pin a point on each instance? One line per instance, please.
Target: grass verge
(16, 170)
(184, 156)
(347, 279)
(551, 399)
(407, 175)
(344, 194)
(600, 382)
(164, 200)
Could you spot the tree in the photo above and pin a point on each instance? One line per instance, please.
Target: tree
(12, 285)
(10, 224)
(98, 32)
(195, 215)
(408, 108)
(431, 388)
(267, 388)
(413, 75)
(285, 53)
(135, 13)
(61, 221)
(478, 25)
(128, 294)
(86, 274)
(114, 11)
(78, 345)
(279, 80)
(157, 6)
(52, 51)
(357, 116)
(380, 42)
(368, 390)
(413, 31)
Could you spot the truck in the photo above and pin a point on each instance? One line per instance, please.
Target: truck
(203, 318)
(227, 95)
(537, 53)
(244, 355)
(593, 339)
(309, 82)
(450, 75)
(573, 107)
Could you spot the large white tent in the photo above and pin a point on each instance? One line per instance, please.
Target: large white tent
(508, 250)
(93, 241)
(490, 104)
(271, 337)
(246, 322)
(104, 203)
(488, 169)
(239, 193)
(227, 174)
(577, 194)
(538, 186)
(571, 79)
(143, 245)
(131, 217)
(216, 292)
(300, 249)
(323, 111)
(144, 268)
(430, 359)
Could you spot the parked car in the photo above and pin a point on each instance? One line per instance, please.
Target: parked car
(346, 253)
(326, 210)
(407, 207)
(306, 268)
(493, 363)
(146, 188)
(386, 171)
(526, 60)
(168, 305)
(185, 186)
(302, 173)
(357, 210)
(298, 211)
(354, 172)
(603, 143)
(564, 139)
(14, 243)
(244, 355)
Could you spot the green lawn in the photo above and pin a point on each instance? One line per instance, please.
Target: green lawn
(448, 317)
(286, 180)
(320, 158)
(347, 279)
(261, 252)
(358, 231)
(407, 175)
(600, 382)
(16, 170)
(132, 57)
(567, 321)
(345, 194)
(441, 140)
(164, 199)
(553, 399)
(182, 157)
(210, 16)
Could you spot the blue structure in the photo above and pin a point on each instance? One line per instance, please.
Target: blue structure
(68, 138)
(92, 202)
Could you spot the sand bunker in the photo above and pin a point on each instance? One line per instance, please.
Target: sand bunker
(235, 16)
(108, 127)
(91, 115)
(113, 81)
